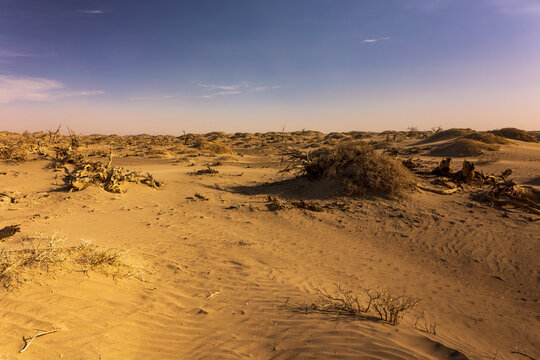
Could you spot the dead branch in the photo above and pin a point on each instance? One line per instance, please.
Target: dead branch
(437, 191)
(28, 341)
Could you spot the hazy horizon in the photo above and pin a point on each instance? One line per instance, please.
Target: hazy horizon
(168, 66)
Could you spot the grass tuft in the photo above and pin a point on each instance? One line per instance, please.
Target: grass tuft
(39, 254)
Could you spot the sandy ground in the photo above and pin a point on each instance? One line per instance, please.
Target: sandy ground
(225, 277)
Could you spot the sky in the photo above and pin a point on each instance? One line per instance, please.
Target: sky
(168, 66)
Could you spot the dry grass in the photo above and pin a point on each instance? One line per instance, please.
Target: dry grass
(217, 147)
(41, 254)
(14, 153)
(516, 134)
(356, 165)
(387, 307)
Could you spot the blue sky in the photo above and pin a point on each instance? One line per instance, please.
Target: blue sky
(165, 66)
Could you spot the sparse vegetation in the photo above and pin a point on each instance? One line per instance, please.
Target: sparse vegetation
(207, 171)
(217, 147)
(387, 307)
(356, 165)
(41, 254)
(15, 152)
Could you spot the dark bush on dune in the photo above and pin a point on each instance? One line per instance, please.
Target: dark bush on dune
(487, 138)
(447, 134)
(356, 165)
(516, 134)
(464, 148)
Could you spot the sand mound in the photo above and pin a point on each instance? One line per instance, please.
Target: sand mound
(446, 135)
(515, 134)
(463, 148)
(487, 138)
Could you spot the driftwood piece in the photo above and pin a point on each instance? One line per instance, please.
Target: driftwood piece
(467, 172)
(28, 341)
(10, 196)
(444, 168)
(437, 191)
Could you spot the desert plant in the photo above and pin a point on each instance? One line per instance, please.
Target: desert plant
(355, 164)
(389, 308)
(217, 147)
(40, 253)
(15, 152)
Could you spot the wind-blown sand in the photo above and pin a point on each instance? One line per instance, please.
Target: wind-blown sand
(225, 277)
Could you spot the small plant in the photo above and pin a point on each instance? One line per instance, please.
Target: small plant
(389, 308)
(207, 171)
(274, 203)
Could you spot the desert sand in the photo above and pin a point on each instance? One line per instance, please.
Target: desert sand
(221, 272)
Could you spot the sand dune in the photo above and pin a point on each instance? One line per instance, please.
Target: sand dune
(223, 276)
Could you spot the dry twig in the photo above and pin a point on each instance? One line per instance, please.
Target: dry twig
(28, 341)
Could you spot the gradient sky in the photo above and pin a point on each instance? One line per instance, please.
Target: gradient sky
(163, 66)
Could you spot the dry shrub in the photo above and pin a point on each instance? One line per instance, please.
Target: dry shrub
(207, 171)
(40, 254)
(87, 172)
(356, 165)
(108, 178)
(160, 153)
(387, 307)
(197, 141)
(218, 147)
(67, 155)
(14, 152)
(464, 148)
(516, 134)
(487, 138)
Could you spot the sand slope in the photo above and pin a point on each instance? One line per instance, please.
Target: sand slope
(475, 268)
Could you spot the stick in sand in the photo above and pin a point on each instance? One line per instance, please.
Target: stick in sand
(28, 341)
(213, 294)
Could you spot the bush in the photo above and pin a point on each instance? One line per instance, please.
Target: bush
(13, 152)
(388, 307)
(356, 165)
(218, 147)
(516, 134)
